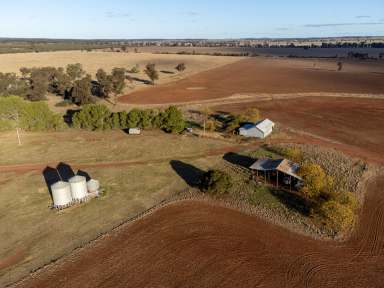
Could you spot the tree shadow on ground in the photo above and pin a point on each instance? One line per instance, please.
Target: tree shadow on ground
(167, 72)
(147, 82)
(293, 201)
(237, 159)
(189, 173)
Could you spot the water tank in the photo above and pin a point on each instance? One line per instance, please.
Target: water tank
(78, 187)
(61, 194)
(93, 186)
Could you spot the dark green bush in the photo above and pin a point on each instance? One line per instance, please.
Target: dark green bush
(216, 182)
(93, 117)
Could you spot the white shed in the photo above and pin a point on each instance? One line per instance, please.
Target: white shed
(134, 131)
(260, 130)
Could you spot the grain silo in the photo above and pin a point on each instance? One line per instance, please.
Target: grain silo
(61, 194)
(78, 188)
(93, 186)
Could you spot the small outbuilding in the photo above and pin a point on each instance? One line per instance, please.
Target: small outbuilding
(259, 130)
(134, 131)
(282, 171)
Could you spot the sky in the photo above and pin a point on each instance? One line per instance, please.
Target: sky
(215, 19)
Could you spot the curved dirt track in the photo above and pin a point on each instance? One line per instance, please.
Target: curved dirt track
(260, 75)
(194, 244)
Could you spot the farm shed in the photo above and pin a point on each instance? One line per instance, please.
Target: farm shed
(270, 169)
(259, 130)
(134, 131)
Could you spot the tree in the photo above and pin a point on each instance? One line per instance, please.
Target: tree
(180, 67)
(118, 80)
(336, 216)
(151, 72)
(315, 180)
(75, 71)
(92, 117)
(81, 93)
(123, 119)
(216, 182)
(105, 82)
(133, 118)
(38, 87)
(16, 112)
(172, 120)
(60, 82)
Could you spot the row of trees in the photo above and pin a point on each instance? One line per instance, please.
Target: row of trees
(99, 117)
(71, 83)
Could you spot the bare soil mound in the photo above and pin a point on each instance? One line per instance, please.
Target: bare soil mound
(254, 75)
(192, 244)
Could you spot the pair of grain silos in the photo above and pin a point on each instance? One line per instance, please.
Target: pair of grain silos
(76, 190)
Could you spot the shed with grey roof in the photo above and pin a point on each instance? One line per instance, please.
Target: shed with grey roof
(259, 130)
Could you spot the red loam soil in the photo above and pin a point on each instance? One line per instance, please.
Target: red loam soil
(259, 75)
(356, 123)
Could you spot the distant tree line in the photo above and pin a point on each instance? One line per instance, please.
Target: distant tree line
(71, 83)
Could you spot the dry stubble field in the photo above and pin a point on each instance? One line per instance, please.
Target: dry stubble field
(92, 61)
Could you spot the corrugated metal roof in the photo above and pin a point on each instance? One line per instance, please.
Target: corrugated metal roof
(281, 165)
(289, 168)
(265, 125)
(266, 164)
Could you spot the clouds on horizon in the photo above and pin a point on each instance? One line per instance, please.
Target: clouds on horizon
(342, 24)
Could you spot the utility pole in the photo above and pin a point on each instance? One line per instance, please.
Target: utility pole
(18, 136)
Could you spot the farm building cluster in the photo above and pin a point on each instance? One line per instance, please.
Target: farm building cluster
(76, 190)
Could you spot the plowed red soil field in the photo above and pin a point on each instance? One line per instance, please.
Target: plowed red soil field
(192, 244)
(254, 75)
(355, 122)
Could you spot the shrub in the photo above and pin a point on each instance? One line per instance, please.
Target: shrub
(216, 182)
(210, 125)
(92, 117)
(172, 120)
(181, 67)
(336, 216)
(315, 180)
(251, 115)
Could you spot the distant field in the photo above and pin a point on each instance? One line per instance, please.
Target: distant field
(283, 52)
(255, 76)
(33, 235)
